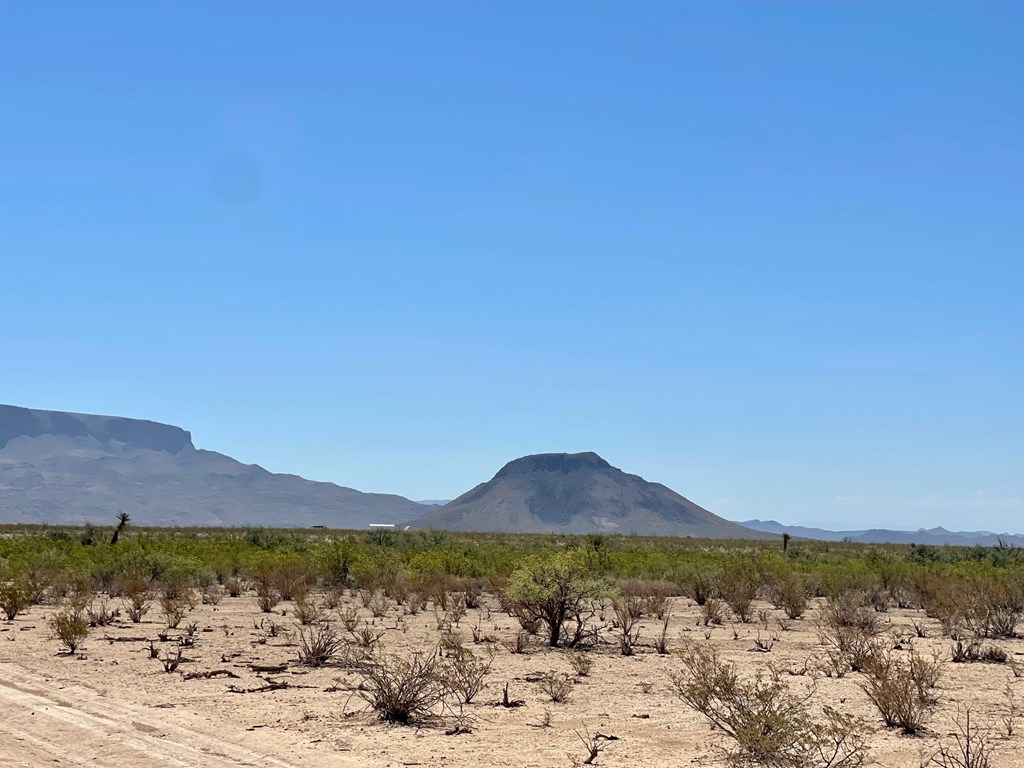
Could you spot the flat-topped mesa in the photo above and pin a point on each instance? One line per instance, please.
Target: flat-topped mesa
(65, 468)
(18, 422)
(553, 462)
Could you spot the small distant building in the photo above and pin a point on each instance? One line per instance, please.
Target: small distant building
(390, 526)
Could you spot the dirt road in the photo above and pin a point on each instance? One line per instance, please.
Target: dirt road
(43, 723)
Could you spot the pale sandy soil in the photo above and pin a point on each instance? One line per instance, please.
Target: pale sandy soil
(112, 705)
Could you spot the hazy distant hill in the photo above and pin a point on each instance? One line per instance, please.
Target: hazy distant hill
(60, 467)
(578, 493)
(933, 536)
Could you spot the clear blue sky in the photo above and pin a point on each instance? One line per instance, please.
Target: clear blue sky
(769, 254)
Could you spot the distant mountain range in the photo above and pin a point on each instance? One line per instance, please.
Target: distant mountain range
(58, 467)
(933, 536)
(68, 468)
(578, 493)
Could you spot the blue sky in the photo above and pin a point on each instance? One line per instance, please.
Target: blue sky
(769, 254)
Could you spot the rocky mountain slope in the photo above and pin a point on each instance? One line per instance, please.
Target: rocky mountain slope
(58, 467)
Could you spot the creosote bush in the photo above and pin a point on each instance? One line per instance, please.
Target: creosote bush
(902, 691)
(71, 627)
(15, 597)
(770, 724)
(581, 664)
(557, 687)
(465, 675)
(738, 586)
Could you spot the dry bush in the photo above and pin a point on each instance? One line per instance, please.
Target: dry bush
(307, 611)
(136, 599)
(15, 597)
(982, 607)
(627, 613)
(712, 612)
(416, 602)
(71, 628)
(472, 592)
(171, 661)
(457, 609)
(556, 687)
(972, 746)
(99, 613)
(581, 664)
(771, 725)
(788, 592)
(464, 675)
(518, 644)
(995, 607)
(849, 648)
(738, 586)
(318, 644)
(966, 651)
(267, 596)
(211, 594)
(349, 618)
(436, 587)
(367, 636)
(654, 594)
(850, 609)
(661, 640)
(595, 744)
(902, 692)
(173, 610)
(290, 578)
(1009, 718)
(234, 586)
(697, 583)
(441, 620)
(332, 598)
(378, 605)
(403, 690)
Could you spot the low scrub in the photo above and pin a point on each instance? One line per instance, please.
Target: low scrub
(318, 644)
(769, 724)
(15, 597)
(903, 691)
(404, 689)
(71, 627)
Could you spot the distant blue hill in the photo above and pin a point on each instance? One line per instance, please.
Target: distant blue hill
(934, 536)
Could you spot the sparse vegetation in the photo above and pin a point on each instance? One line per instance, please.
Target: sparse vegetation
(903, 692)
(622, 598)
(15, 597)
(71, 628)
(404, 689)
(770, 724)
(318, 644)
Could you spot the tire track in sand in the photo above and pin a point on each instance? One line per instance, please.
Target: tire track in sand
(45, 724)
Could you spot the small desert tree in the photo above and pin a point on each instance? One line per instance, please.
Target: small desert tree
(557, 589)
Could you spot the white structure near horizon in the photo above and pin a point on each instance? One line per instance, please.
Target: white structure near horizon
(382, 525)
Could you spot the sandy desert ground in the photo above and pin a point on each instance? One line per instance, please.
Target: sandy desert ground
(110, 704)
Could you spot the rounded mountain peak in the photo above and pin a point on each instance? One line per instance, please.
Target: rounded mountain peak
(554, 462)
